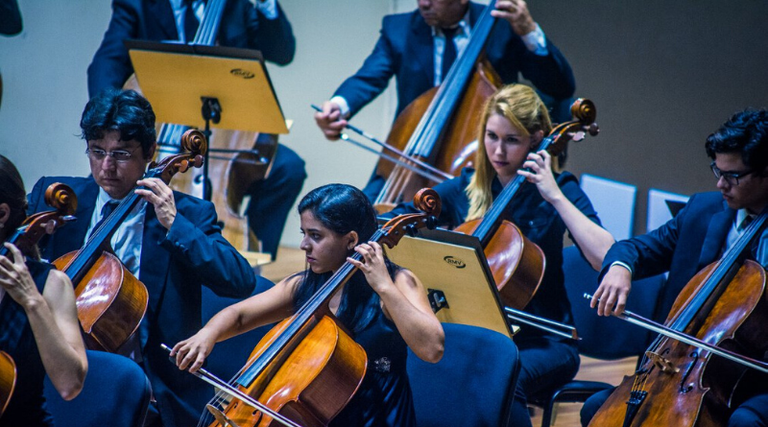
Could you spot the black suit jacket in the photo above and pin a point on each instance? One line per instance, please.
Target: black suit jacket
(405, 50)
(687, 243)
(241, 26)
(175, 264)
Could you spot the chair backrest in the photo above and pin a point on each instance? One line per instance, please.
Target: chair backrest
(472, 385)
(230, 355)
(116, 393)
(607, 337)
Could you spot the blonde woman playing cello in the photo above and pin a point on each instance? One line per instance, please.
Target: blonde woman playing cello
(513, 124)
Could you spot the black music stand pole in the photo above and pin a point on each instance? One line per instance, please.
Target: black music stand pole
(211, 110)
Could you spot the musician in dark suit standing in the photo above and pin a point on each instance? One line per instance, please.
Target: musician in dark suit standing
(417, 48)
(170, 241)
(697, 236)
(263, 27)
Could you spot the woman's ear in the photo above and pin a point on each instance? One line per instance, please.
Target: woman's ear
(536, 138)
(5, 213)
(352, 240)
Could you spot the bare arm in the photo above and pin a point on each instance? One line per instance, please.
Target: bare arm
(405, 302)
(593, 240)
(267, 307)
(53, 319)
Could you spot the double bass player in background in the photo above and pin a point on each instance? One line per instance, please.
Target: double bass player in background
(698, 235)
(263, 27)
(418, 48)
(170, 241)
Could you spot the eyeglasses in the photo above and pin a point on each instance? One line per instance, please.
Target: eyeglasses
(119, 155)
(732, 178)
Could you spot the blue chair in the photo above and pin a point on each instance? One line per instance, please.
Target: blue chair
(473, 384)
(116, 393)
(606, 338)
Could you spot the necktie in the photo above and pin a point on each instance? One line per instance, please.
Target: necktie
(745, 223)
(449, 51)
(105, 211)
(190, 22)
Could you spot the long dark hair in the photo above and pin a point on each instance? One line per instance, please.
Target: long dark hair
(12, 193)
(342, 208)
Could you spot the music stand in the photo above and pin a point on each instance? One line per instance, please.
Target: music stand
(212, 86)
(453, 268)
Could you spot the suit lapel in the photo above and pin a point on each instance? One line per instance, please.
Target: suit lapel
(421, 45)
(160, 20)
(154, 259)
(719, 226)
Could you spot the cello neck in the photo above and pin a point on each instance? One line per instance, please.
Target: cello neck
(101, 236)
(722, 275)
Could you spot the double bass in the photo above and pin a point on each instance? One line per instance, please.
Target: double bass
(721, 311)
(517, 263)
(111, 302)
(438, 127)
(239, 159)
(63, 200)
(307, 368)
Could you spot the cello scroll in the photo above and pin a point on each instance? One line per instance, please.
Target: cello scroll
(427, 201)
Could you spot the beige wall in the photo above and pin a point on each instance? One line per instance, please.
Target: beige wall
(662, 74)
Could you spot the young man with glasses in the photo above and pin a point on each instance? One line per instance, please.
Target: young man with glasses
(699, 235)
(170, 241)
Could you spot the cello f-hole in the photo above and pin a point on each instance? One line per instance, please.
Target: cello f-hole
(695, 358)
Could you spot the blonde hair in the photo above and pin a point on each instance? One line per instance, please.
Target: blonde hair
(524, 109)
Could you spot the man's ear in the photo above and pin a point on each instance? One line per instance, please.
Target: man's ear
(352, 240)
(150, 154)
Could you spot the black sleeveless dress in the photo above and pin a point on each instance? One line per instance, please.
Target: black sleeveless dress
(384, 398)
(27, 405)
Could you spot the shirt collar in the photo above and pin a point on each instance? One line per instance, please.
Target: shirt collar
(464, 24)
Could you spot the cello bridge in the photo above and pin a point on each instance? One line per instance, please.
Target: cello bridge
(663, 363)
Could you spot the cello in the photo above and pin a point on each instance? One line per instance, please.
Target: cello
(63, 199)
(517, 263)
(230, 177)
(438, 126)
(306, 369)
(111, 302)
(724, 306)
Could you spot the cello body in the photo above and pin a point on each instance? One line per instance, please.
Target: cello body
(684, 383)
(310, 382)
(110, 301)
(517, 263)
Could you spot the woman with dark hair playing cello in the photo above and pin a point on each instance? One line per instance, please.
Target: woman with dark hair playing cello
(38, 321)
(385, 307)
(512, 126)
